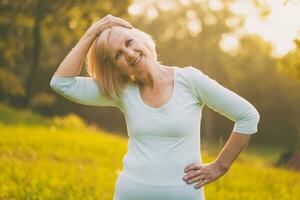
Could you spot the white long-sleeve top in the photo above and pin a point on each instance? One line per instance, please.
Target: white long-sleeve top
(163, 141)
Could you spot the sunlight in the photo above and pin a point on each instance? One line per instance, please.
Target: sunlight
(135, 9)
(229, 42)
(152, 13)
(278, 24)
(279, 28)
(166, 5)
(215, 5)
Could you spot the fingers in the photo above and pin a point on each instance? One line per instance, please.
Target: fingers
(194, 166)
(202, 173)
(194, 176)
(123, 22)
(197, 173)
(107, 22)
(116, 21)
(201, 183)
(199, 177)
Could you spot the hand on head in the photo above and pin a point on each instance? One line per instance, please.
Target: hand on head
(106, 22)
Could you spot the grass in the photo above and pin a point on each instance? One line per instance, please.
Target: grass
(50, 163)
(62, 158)
(266, 155)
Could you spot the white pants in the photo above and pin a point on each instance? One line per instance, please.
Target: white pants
(128, 190)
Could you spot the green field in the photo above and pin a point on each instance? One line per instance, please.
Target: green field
(62, 158)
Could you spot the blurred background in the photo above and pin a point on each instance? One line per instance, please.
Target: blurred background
(252, 47)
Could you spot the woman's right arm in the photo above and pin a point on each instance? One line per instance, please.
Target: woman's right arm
(66, 82)
(72, 64)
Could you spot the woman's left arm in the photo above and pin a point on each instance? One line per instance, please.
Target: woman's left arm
(234, 107)
(236, 143)
(206, 173)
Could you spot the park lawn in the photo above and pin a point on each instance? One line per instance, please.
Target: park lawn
(50, 163)
(40, 162)
(63, 158)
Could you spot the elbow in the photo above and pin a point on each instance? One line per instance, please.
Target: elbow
(254, 118)
(256, 115)
(63, 85)
(52, 84)
(252, 115)
(248, 122)
(55, 85)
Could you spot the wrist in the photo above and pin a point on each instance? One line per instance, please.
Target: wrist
(86, 41)
(89, 35)
(224, 167)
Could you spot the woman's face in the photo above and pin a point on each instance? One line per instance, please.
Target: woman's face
(130, 55)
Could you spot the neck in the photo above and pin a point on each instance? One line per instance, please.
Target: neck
(154, 76)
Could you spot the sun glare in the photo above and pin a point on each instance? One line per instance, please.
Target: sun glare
(279, 25)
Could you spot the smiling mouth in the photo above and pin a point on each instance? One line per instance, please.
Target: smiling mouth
(137, 60)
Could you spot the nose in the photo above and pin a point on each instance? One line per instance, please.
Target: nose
(129, 53)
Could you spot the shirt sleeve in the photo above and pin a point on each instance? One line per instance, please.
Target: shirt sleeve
(82, 90)
(224, 101)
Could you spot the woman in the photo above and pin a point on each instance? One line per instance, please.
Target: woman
(162, 106)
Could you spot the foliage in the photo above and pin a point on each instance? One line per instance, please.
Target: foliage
(10, 86)
(256, 78)
(10, 116)
(36, 32)
(42, 102)
(290, 64)
(15, 117)
(70, 121)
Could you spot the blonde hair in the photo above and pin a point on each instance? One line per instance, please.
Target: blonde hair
(102, 67)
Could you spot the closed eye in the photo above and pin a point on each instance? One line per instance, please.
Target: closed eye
(128, 42)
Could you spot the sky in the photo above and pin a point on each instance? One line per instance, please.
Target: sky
(280, 27)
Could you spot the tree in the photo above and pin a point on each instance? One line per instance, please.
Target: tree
(290, 64)
(275, 96)
(34, 30)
